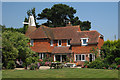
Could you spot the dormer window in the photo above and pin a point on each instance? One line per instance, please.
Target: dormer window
(59, 43)
(84, 41)
(68, 42)
(51, 43)
(31, 42)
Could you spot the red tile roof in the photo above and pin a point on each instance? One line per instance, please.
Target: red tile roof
(61, 50)
(30, 30)
(41, 49)
(38, 34)
(69, 32)
(91, 35)
(54, 33)
(65, 32)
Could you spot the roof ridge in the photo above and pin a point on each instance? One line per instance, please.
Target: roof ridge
(48, 31)
(88, 31)
(63, 27)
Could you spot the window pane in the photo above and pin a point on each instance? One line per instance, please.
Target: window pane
(31, 42)
(76, 57)
(59, 42)
(84, 41)
(40, 55)
(68, 42)
(51, 43)
(83, 57)
(79, 57)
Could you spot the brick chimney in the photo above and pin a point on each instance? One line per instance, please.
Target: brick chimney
(69, 24)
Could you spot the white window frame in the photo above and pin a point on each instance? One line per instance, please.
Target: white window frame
(58, 42)
(51, 43)
(84, 57)
(86, 41)
(81, 57)
(41, 55)
(32, 42)
(67, 43)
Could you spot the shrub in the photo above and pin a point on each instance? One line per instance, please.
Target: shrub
(45, 61)
(118, 67)
(10, 65)
(96, 64)
(106, 65)
(86, 63)
(33, 66)
(113, 66)
(117, 60)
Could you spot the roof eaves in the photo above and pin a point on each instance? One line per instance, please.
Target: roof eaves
(93, 43)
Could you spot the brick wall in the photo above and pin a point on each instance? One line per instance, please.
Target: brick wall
(78, 49)
(100, 42)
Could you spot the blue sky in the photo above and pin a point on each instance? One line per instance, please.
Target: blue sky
(102, 15)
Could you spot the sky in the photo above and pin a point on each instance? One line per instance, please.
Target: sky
(102, 15)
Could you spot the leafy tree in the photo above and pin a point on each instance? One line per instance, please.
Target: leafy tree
(25, 27)
(110, 51)
(85, 26)
(3, 28)
(9, 52)
(1, 47)
(60, 14)
(14, 46)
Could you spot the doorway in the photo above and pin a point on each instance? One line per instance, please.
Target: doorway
(61, 58)
(64, 58)
(90, 59)
(57, 57)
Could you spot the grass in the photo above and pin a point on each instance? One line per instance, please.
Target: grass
(61, 73)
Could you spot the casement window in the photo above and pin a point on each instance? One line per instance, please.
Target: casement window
(41, 55)
(84, 41)
(80, 57)
(59, 43)
(68, 42)
(32, 42)
(51, 43)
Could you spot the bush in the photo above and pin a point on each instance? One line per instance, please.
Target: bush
(113, 66)
(96, 64)
(45, 61)
(86, 63)
(106, 65)
(117, 60)
(10, 65)
(118, 67)
(33, 66)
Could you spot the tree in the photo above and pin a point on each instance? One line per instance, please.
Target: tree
(110, 51)
(60, 14)
(3, 28)
(14, 46)
(85, 26)
(25, 27)
(9, 53)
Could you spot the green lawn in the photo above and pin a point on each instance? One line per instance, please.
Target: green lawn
(61, 73)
